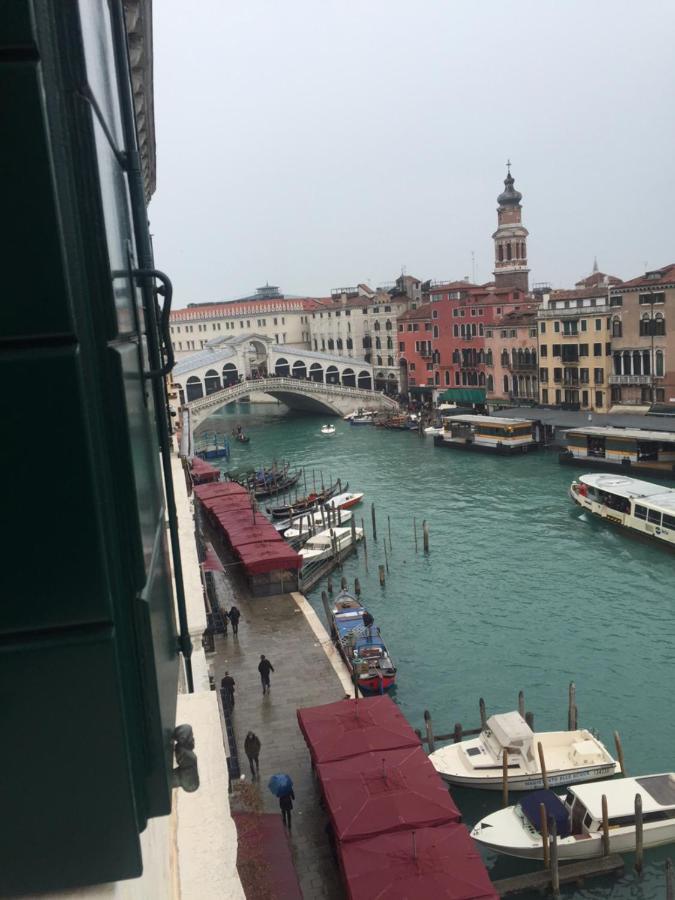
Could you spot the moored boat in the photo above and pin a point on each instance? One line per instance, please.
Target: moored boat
(570, 756)
(361, 646)
(516, 830)
(492, 434)
(303, 525)
(305, 504)
(635, 450)
(324, 544)
(345, 500)
(639, 506)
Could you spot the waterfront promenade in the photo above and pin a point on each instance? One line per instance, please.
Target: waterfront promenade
(303, 676)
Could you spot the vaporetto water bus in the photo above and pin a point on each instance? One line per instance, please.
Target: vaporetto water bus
(488, 433)
(640, 506)
(635, 449)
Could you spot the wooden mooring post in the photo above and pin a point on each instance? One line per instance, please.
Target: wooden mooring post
(619, 753)
(326, 605)
(365, 545)
(543, 818)
(605, 827)
(353, 526)
(639, 834)
(505, 778)
(542, 763)
(415, 532)
(380, 569)
(555, 874)
(389, 531)
(521, 703)
(429, 730)
(572, 708)
(670, 894)
(483, 716)
(343, 583)
(425, 536)
(330, 585)
(357, 587)
(372, 515)
(386, 558)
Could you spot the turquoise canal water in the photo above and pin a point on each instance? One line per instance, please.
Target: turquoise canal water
(520, 591)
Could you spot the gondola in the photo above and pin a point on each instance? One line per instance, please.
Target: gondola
(242, 438)
(277, 487)
(262, 477)
(305, 504)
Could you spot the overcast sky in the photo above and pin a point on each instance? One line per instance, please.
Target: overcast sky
(319, 143)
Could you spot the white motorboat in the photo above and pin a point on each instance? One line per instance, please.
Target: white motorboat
(321, 545)
(639, 506)
(328, 429)
(433, 430)
(569, 756)
(360, 413)
(345, 500)
(516, 830)
(301, 527)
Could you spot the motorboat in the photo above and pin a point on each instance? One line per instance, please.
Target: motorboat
(328, 429)
(569, 756)
(361, 646)
(638, 506)
(345, 500)
(304, 525)
(432, 430)
(516, 830)
(360, 413)
(323, 544)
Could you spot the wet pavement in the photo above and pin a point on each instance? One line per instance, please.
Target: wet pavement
(302, 676)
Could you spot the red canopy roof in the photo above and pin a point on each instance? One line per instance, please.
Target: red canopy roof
(350, 727)
(241, 533)
(221, 489)
(385, 791)
(211, 561)
(202, 471)
(265, 556)
(436, 864)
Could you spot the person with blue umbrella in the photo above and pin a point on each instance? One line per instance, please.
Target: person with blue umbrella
(281, 786)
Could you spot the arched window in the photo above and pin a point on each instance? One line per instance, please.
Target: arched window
(455, 357)
(231, 375)
(376, 326)
(627, 369)
(645, 325)
(514, 385)
(659, 324)
(379, 360)
(390, 343)
(514, 357)
(637, 362)
(646, 363)
(616, 327)
(194, 388)
(350, 344)
(506, 384)
(488, 358)
(490, 384)
(331, 344)
(505, 357)
(390, 360)
(387, 325)
(500, 253)
(338, 343)
(658, 364)
(508, 250)
(437, 377)
(435, 331)
(447, 378)
(378, 343)
(481, 379)
(367, 342)
(455, 330)
(534, 357)
(527, 361)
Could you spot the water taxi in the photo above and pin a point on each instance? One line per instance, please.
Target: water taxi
(359, 642)
(640, 506)
(488, 433)
(304, 525)
(516, 830)
(321, 546)
(345, 500)
(569, 756)
(328, 429)
(634, 449)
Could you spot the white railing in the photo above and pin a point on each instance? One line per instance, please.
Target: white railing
(630, 379)
(272, 385)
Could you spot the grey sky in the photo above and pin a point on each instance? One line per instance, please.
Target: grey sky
(318, 144)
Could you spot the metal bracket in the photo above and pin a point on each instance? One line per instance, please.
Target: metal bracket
(162, 315)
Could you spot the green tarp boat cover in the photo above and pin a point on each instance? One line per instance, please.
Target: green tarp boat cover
(463, 395)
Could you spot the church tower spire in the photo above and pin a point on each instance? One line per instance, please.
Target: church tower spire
(510, 239)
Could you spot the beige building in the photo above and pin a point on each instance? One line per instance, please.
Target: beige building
(643, 349)
(575, 349)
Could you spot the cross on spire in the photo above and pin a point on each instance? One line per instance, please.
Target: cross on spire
(508, 165)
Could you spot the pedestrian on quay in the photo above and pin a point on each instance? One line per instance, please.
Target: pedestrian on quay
(265, 667)
(227, 684)
(234, 615)
(286, 804)
(252, 751)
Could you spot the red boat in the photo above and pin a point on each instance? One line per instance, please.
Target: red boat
(345, 500)
(361, 646)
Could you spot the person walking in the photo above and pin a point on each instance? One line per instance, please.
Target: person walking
(286, 805)
(252, 751)
(227, 684)
(234, 615)
(265, 667)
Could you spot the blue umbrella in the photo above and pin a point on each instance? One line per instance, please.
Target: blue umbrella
(280, 784)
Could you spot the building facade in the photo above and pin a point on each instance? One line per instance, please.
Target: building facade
(575, 349)
(642, 347)
(511, 356)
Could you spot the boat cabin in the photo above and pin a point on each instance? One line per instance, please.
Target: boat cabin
(584, 802)
(492, 433)
(652, 451)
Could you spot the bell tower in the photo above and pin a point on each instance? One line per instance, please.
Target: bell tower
(511, 269)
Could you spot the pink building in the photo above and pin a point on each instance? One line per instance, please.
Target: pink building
(513, 342)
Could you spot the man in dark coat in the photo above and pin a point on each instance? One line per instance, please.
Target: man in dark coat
(227, 684)
(252, 751)
(234, 615)
(286, 804)
(265, 667)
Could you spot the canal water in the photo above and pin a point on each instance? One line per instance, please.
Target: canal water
(520, 591)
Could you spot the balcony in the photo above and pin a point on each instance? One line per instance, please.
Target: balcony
(630, 379)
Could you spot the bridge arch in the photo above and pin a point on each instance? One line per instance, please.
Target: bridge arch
(332, 375)
(380, 381)
(348, 377)
(282, 368)
(212, 381)
(316, 372)
(230, 374)
(299, 369)
(194, 388)
(365, 382)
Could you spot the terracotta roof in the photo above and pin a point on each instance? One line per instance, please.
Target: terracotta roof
(524, 316)
(453, 286)
(596, 279)
(598, 292)
(247, 307)
(422, 312)
(655, 277)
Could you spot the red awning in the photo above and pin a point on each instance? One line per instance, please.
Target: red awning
(202, 471)
(390, 790)
(248, 533)
(222, 489)
(211, 561)
(350, 727)
(266, 556)
(435, 864)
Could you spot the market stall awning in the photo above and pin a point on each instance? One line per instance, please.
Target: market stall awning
(462, 395)
(350, 727)
(389, 790)
(220, 489)
(267, 556)
(427, 864)
(211, 562)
